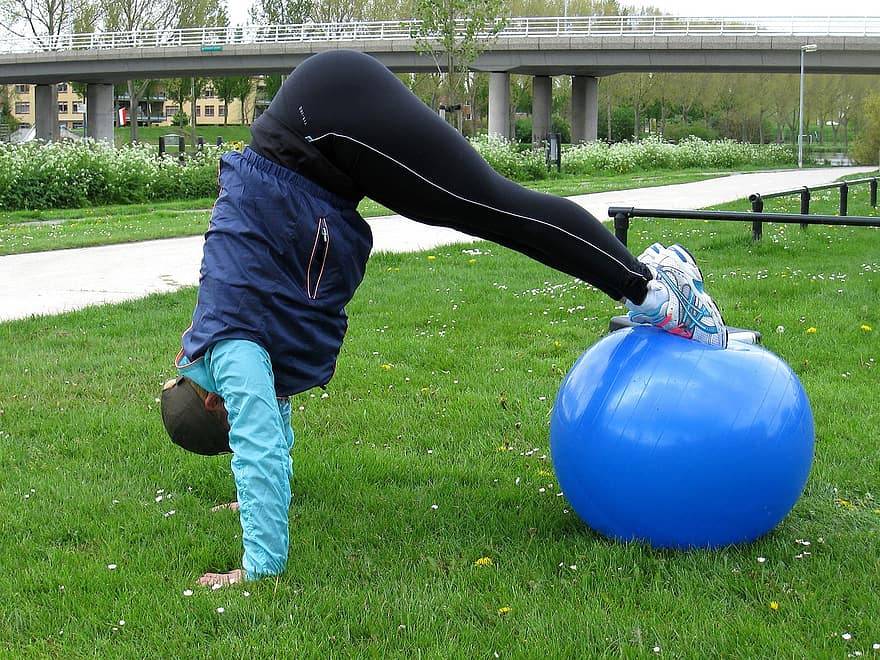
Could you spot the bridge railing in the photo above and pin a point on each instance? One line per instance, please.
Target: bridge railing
(537, 27)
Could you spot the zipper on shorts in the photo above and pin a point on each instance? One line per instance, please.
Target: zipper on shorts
(318, 259)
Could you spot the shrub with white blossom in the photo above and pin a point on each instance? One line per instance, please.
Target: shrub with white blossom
(72, 174)
(623, 157)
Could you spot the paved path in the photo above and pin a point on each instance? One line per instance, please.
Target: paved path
(62, 280)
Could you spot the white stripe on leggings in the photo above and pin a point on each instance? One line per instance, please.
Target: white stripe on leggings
(470, 201)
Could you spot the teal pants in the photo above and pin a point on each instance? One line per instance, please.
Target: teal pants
(261, 439)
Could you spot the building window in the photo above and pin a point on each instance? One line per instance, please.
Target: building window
(79, 108)
(208, 94)
(61, 87)
(171, 110)
(22, 89)
(209, 111)
(23, 124)
(62, 107)
(221, 110)
(22, 107)
(198, 111)
(76, 125)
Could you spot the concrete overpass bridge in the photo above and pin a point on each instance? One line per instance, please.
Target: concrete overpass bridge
(584, 47)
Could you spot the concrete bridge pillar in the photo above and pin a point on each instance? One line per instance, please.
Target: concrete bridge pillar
(99, 112)
(542, 99)
(46, 113)
(499, 104)
(584, 109)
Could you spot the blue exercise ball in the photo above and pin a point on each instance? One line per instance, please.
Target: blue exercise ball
(664, 440)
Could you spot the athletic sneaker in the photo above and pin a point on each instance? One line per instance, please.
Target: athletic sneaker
(676, 300)
(652, 254)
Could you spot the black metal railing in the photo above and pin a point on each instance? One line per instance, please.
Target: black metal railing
(805, 193)
(623, 215)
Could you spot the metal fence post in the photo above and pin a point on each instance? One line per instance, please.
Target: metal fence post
(873, 186)
(757, 225)
(805, 205)
(621, 226)
(844, 191)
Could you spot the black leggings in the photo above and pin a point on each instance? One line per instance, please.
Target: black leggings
(398, 152)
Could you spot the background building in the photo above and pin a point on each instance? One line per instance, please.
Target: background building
(155, 109)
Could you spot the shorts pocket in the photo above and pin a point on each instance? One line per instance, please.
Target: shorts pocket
(317, 263)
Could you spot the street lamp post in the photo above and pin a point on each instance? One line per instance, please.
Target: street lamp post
(808, 48)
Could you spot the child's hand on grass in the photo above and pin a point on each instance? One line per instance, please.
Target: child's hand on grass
(232, 506)
(216, 580)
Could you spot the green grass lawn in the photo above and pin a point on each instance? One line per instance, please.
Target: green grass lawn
(151, 134)
(34, 231)
(476, 342)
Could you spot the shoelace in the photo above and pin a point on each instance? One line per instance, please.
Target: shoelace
(688, 307)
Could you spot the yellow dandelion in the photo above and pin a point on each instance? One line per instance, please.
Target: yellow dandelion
(811, 330)
(544, 473)
(844, 503)
(557, 344)
(865, 327)
(472, 261)
(503, 611)
(774, 605)
(483, 561)
(387, 367)
(431, 257)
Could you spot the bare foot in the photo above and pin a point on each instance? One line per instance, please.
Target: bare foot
(216, 580)
(232, 506)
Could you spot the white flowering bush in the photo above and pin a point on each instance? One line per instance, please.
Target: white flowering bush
(506, 158)
(71, 174)
(653, 153)
(514, 162)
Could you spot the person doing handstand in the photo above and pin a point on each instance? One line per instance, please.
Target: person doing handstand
(286, 249)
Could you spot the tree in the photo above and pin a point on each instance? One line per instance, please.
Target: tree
(851, 98)
(340, 11)
(224, 88)
(132, 15)
(136, 15)
(457, 31)
(193, 93)
(639, 91)
(785, 104)
(7, 103)
(244, 87)
(200, 13)
(822, 94)
(867, 147)
(283, 12)
(40, 20)
(177, 89)
(575, 8)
